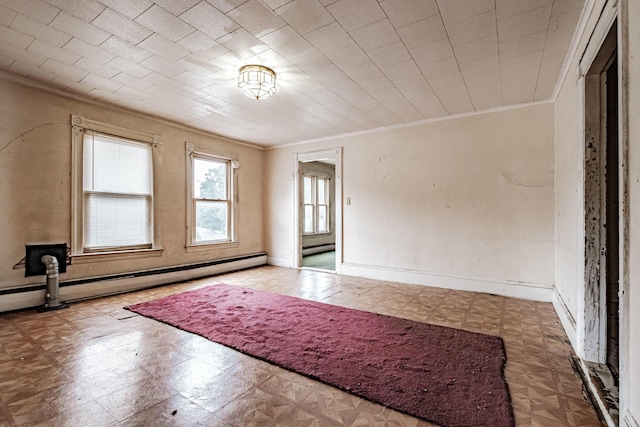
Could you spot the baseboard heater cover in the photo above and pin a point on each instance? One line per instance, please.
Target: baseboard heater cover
(14, 298)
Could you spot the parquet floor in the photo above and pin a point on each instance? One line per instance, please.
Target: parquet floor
(95, 364)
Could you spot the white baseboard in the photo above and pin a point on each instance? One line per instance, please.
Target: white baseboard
(567, 320)
(529, 291)
(35, 298)
(280, 262)
(630, 420)
(318, 249)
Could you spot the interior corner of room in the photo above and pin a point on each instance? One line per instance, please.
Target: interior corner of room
(535, 198)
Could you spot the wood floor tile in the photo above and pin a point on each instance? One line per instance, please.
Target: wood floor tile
(96, 364)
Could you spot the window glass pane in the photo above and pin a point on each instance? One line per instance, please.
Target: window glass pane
(308, 218)
(323, 224)
(115, 165)
(321, 191)
(209, 179)
(211, 221)
(307, 190)
(112, 220)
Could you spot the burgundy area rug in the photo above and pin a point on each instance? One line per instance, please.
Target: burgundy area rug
(446, 376)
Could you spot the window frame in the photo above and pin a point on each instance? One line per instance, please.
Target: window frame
(231, 160)
(79, 253)
(315, 177)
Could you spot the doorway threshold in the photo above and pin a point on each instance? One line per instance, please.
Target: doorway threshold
(601, 388)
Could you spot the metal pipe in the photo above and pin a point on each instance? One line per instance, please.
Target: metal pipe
(52, 299)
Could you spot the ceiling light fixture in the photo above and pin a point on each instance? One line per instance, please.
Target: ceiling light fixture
(257, 81)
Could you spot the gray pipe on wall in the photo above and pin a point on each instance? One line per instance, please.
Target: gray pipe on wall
(52, 299)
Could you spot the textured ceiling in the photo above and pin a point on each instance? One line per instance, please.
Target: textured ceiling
(343, 66)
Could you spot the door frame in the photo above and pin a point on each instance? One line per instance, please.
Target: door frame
(334, 154)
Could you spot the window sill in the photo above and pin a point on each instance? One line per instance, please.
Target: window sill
(205, 246)
(115, 255)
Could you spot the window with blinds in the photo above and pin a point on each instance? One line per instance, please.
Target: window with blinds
(117, 184)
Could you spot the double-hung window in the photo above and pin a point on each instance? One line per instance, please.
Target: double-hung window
(210, 199)
(113, 188)
(316, 204)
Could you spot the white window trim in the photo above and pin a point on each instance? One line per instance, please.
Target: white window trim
(314, 196)
(191, 244)
(79, 125)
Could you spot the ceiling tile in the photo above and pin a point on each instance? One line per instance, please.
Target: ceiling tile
(434, 70)
(243, 44)
(409, 11)
(354, 14)
(528, 62)
(79, 28)
(479, 48)
(558, 45)
(375, 35)
(225, 6)
(329, 38)
(162, 66)
(87, 50)
(524, 24)
(305, 16)
(9, 51)
(164, 48)
(125, 49)
(35, 9)
(124, 27)
(87, 10)
(39, 30)
(433, 52)
(508, 8)
(128, 8)
(49, 51)
(96, 68)
(256, 18)
(458, 10)
(564, 24)
(129, 67)
(402, 70)
(348, 57)
(65, 70)
(101, 83)
(423, 32)
(27, 70)
(15, 38)
(566, 6)
(162, 22)
(455, 99)
(390, 55)
(209, 20)
(197, 41)
(363, 64)
(6, 15)
(484, 65)
(176, 7)
(522, 45)
(470, 29)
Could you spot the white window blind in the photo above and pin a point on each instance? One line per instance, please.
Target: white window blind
(117, 193)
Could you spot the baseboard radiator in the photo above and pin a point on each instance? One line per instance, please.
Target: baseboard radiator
(91, 287)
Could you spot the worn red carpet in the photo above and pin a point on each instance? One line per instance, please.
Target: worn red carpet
(446, 376)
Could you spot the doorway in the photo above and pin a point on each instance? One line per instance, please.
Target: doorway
(318, 210)
(602, 221)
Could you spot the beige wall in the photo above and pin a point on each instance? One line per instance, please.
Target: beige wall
(468, 198)
(35, 183)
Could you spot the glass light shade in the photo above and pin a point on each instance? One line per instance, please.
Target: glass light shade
(257, 81)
